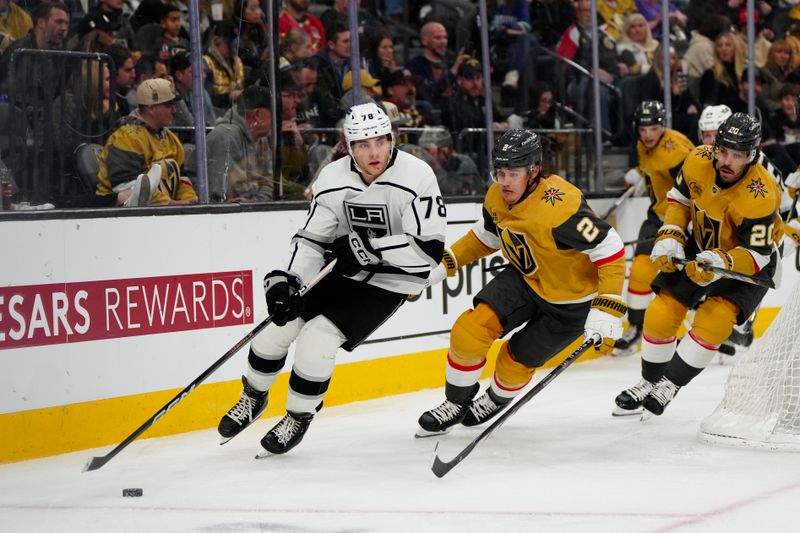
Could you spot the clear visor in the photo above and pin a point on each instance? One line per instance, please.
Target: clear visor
(510, 173)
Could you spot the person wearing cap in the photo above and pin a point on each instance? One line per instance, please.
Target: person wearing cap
(224, 69)
(120, 28)
(141, 161)
(95, 31)
(466, 108)
(371, 86)
(399, 89)
(238, 168)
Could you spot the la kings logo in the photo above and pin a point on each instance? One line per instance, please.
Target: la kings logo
(371, 220)
(517, 250)
(706, 229)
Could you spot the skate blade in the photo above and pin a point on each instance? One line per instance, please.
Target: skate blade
(223, 440)
(619, 411)
(646, 415)
(263, 454)
(424, 433)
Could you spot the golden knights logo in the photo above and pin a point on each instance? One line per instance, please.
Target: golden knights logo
(706, 229)
(757, 187)
(706, 151)
(517, 250)
(551, 195)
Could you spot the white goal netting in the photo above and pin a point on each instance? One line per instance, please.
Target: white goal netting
(761, 406)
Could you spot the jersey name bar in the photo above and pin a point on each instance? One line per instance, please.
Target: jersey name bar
(60, 313)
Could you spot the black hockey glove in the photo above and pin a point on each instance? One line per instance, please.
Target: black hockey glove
(280, 289)
(352, 253)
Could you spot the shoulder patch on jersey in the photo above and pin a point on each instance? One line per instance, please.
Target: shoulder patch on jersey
(552, 195)
(706, 151)
(696, 189)
(669, 145)
(757, 187)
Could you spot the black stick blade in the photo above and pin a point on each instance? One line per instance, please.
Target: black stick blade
(94, 463)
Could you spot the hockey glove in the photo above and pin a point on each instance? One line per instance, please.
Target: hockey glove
(353, 253)
(793, 180)
(716, 258)
(280, 289)
(791, 230)
(605, 319)
(634, 179)
(447, 268)
(669, 244)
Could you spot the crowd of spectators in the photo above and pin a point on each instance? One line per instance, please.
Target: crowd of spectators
(423, 67)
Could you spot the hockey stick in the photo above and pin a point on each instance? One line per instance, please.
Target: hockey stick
(768, 283)
(97, 462)
(628, 192)
(639, 241)
(440, 468)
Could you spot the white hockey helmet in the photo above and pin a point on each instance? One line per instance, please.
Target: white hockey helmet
(712, 117)
(364, 121)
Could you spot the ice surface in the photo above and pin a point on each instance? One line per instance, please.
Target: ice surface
(562, 463)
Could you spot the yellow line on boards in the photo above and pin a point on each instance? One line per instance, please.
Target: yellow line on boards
(79, 426)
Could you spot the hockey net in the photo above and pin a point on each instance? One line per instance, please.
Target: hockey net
(761, 406)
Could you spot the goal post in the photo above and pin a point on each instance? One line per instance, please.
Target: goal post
(761, 405)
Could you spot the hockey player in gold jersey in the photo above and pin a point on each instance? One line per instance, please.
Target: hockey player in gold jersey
(732, 203)
(564, 279)
(661, 153)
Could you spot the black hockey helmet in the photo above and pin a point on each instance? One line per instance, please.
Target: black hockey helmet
(741, 132)
(649, 113)
(517, 148)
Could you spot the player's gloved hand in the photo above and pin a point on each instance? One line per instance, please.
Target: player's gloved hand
(605, 320)
(669, 244)
(280, 289)
(634, 179)
(716, 258)
(447, 268)
(792, 230)
(353, 253)
(793, 180)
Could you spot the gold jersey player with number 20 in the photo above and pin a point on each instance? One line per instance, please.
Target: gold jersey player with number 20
(732, 203)
(564, 279)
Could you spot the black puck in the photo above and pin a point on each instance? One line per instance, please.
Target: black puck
(132, 493)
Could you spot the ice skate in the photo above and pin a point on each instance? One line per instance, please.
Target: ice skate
(663, 392)
(629, 401)
(629, 342)
(286, 434)
(483, 408)
(249, 407)
(442, 419)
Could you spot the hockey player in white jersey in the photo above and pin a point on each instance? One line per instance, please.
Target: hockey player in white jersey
(379, 212)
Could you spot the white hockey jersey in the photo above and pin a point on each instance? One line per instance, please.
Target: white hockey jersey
(402, 213)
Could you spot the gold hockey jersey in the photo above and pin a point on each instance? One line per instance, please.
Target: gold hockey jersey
(660, 165)
(740, 218)
(132, 149)
(565, 252)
